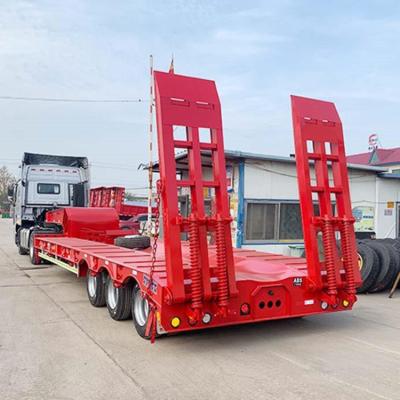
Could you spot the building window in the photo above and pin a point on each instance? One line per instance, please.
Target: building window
(48, 188)
(260, 221)
(268, 221)
(290, 226)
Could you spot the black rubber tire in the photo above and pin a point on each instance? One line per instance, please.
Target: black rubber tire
(394, 263)
(133, 242)
(98, 298)
(396, 244)
(384, 264)
(122, 309)
(369, 267)
(140, 329)
(22, 251)
(33, 253)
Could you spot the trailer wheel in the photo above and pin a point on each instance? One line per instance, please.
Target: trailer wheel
(140, 312)
(118, 300)
(96, 289)
(33, 253)
(133, 242)
(369, 268)
(384, 265)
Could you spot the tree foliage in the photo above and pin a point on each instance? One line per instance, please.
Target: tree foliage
(7, 179)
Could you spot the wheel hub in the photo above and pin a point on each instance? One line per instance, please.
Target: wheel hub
(112, 295)
(92, 285)
(141, 309)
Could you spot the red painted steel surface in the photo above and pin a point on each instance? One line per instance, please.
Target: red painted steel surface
(271, 285)
(234, 286)
(193, 104)
(99, 224)
(107, 197)
(323, 180)
(114, 197)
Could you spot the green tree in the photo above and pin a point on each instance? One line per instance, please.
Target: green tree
(7, 179)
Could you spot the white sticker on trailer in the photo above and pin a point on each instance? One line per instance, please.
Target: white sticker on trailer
(308, 302)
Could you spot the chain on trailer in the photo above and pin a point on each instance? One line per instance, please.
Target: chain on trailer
(151, 327)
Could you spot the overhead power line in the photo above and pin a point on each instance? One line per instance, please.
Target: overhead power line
(66, 100)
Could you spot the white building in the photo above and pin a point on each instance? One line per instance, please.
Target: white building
(265, 206)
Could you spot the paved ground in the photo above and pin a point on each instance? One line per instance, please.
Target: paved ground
(55, 345)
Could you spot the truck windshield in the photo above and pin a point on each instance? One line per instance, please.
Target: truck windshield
(48, 188)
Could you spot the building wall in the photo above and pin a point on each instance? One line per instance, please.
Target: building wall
(277, 181)
(394, 168)
(386, 217)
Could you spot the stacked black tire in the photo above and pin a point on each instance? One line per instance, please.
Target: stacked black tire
(379, 262)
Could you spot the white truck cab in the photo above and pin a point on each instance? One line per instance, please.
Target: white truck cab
(47, 181)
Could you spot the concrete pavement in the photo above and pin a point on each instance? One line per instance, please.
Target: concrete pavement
(55, 345)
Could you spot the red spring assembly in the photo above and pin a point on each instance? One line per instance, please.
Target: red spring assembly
(328, 241)
(345, 232)
(222, 286)
(195, 271)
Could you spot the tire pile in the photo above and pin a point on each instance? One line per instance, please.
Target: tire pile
(379, 262)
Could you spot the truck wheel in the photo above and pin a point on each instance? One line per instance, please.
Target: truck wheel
(33, 253)
(133, 242)
(369, 268)
(118, 300)
(96, 289)
(22, 251)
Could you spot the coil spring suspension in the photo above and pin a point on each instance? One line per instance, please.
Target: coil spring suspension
(327, 239)
(222, 286)
(195, 272)
(345, 233)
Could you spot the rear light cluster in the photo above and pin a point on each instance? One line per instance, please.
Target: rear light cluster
(325, 305)
(176, 321)
(245, 309)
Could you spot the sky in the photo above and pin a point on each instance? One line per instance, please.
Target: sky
(258, 52)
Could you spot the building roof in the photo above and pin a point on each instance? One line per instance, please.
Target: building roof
(181, 160)
(376, 157)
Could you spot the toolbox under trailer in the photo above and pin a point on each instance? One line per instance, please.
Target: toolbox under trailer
(185, 285)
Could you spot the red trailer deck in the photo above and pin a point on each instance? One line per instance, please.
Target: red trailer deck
(184, 285)
(270, 286)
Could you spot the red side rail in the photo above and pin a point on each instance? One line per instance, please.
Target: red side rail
(193, 103)
(325, 199)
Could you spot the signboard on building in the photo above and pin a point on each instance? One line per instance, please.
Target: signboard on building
(365, 218)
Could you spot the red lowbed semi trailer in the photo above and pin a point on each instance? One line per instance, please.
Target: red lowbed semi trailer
(185, 285)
